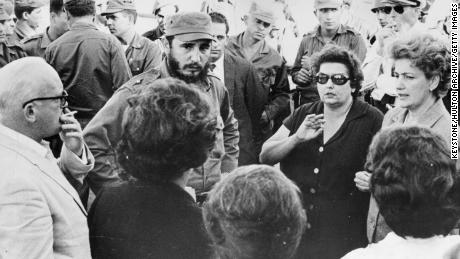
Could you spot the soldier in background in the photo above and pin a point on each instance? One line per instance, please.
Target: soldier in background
(30, 15)
(160, 10)
(8, 52)
(270, 65)
(141, 53)
(36, 45)
(330, 30)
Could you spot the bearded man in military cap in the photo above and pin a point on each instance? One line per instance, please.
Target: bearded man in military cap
(141, 53)
(188, 49)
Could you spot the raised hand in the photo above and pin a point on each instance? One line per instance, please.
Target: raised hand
(311, 127)
(71, 133)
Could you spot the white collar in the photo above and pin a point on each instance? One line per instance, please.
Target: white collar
(39, 148)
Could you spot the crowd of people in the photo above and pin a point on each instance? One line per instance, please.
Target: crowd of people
(167, 145)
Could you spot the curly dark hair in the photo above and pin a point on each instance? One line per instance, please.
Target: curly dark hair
(428, 54)
(332, 53)
(19, 10)
(79, 8)
(255, 212)
(414, 181)
(169, 127)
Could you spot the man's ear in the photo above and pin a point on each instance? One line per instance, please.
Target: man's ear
(25, 15)
(29, 113)
(167, 46)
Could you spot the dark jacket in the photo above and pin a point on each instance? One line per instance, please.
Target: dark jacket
(247, 98)
(140, 220)
(10, 52)
(142, 55)
(272, 71)
(36, 45)
(91, 65)
(104, 131)
(325, 174)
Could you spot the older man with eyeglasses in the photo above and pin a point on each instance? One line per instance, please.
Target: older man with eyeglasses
(41, 214)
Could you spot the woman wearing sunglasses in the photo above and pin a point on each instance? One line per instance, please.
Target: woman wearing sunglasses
(422, 69)
(320, 147)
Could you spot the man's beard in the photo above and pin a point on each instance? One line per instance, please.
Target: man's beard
(176, 73)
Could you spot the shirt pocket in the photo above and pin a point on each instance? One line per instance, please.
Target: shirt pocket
(136, 66)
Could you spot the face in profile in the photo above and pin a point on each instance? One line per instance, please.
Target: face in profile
(189, 60)
(118, 23)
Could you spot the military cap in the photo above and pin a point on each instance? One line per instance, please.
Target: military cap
(320, 4)
(189, 26)
(30, 3)
(3, 14)
(378, 4)
(262, 13)
(115, 6)
(414, 3)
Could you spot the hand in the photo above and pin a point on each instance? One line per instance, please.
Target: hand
(304, 76)
(71, 133)
(362, 180)
(311, 127)
(306, 61)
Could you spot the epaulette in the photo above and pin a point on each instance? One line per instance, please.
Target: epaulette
(36, 36)
(145, 78)
(349, 29)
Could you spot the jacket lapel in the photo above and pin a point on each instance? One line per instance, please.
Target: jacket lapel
(48, 168)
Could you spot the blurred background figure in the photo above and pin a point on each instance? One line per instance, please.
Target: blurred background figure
(330, 30)
(247, 96)
(153, 215)
(270, 65)
(320, 147)
(417, 189)
(8, 51)
(141, 53)
(32, 17)
(254, 213)
(422, 71)
(36, 45)
(10, 23)
(161, 9)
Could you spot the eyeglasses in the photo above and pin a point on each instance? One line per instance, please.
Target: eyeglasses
(387, 9)
(337, 79)
(62, 98)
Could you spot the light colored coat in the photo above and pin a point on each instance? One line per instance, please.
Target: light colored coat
(436, 118)
(41, 215)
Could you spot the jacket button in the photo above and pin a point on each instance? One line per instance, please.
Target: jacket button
(321, 149)
(312, 190)
(308, 225)
(316, 170)
(311, 207)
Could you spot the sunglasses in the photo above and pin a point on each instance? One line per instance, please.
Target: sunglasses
(62, 98)
(387, 9)
(337, 79)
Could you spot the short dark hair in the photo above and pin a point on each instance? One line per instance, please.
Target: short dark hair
(414, 181)
(428, 54)
(79, 8)
(169, 127)
(19, 10)
(56, 6)
(332, 53)
(255, 212)
(219, 18)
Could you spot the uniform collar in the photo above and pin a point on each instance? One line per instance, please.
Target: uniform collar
(238, 43)
(137, 41)
(79, 25)
(431, 116)
(340, 30)
(45, 39)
